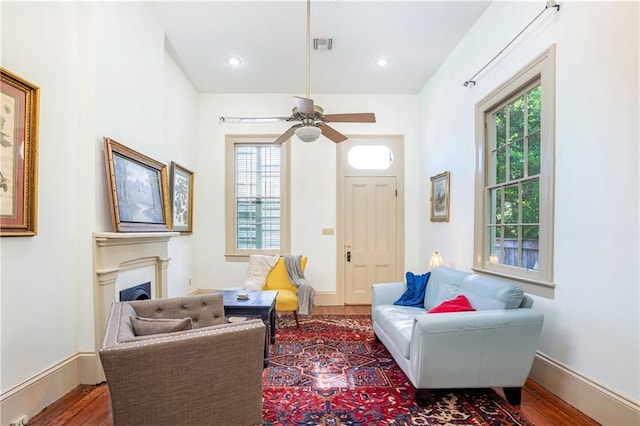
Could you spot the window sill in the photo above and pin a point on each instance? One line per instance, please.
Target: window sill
(244, 257)
(236, 257)
(535, 287)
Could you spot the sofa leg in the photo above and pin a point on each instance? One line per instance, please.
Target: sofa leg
(422, 396)
(513, 395)
(295, 315)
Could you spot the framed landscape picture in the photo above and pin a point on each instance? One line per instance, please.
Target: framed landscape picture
(182, 198)
(19, 108)
(440, 197)
(138, 190)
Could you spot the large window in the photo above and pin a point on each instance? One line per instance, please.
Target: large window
(257, 207)
(515, 197)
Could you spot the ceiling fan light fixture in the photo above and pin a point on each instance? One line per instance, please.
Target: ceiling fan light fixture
(308, 133)
(312, 120)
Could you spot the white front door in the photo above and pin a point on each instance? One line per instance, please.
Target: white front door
(370, 235)
(370, 205)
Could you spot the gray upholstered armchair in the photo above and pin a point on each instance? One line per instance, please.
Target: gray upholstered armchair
(210, 374)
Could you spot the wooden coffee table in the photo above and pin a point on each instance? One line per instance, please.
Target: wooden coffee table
(259, 303)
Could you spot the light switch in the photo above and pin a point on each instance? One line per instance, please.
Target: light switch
(327, 231)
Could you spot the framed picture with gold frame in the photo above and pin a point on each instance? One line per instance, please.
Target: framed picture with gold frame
(182, 198)
(19, 111)
(138, 190)
(440, 197)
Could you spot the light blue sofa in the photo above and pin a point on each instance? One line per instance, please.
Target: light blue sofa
(493, 346)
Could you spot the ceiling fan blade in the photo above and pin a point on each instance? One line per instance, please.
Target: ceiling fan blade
(222, 119)
(332, 133)
(287, 135)
(305, 105)
(357, 117)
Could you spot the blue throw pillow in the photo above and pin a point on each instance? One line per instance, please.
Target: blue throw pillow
(416, 286)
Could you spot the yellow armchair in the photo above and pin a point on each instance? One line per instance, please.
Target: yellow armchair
(278, 279)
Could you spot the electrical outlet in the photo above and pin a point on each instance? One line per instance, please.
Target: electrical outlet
(21, 421)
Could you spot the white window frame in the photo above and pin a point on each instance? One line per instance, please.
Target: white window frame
(542, 70)
(232, 252)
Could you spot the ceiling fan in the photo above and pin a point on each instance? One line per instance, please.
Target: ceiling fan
(312, 119)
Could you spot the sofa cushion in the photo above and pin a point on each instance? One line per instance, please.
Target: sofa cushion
(414, 294)
(491, 293)
(444, 284)
(147, 326)
(397, 323)
(457, 304)
(205, 310)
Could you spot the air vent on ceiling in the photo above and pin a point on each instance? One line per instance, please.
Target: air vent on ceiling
(322, 43)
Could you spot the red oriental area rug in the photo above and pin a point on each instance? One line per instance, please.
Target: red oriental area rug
(331, 371)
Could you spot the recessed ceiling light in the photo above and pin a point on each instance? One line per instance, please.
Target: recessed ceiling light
(382, 62)
(234, 61)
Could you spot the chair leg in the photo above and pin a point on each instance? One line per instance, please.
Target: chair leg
(295, 315)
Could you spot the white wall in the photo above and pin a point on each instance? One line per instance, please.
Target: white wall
(144, 101)
(40, 282)
(103, 71)
(180, 136)
(592, 323)
(313, 179)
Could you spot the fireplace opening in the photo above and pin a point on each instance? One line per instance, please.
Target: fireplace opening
(137, 292)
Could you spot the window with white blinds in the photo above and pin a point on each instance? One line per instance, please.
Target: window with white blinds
(257, 210)
(258, 196)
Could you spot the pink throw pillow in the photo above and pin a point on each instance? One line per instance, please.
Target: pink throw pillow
(459, 304)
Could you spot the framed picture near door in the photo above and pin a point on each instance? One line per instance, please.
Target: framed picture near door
(19, 110)
(440, 197)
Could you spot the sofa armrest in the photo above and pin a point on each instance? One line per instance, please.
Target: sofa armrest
(475, 349)
(386, 293)
(463, 321)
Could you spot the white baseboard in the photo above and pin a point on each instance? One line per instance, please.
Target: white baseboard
(326, 298)
(201, 291)
(595, 400)
(90, 368)
(33, 395)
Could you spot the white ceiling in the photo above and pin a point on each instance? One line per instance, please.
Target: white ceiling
(270, 38)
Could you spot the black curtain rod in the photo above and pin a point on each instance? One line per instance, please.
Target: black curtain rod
(550, 4)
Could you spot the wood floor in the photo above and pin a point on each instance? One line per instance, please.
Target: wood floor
(91, 406)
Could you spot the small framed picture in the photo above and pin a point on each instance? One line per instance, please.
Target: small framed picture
(19, 108)
(440, 197)
(138, 190)
(182, 198)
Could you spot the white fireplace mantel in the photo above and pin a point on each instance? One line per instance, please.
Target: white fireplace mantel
(116, 254)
